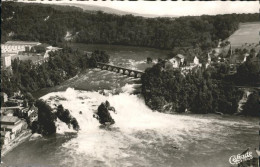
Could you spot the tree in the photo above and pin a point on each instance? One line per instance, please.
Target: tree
(29, 97)
(63, 114)
(149, 60)
(252, 106)
(46, 118)
(104, 28)
(38, 49)
(249, 72)
(199, 91)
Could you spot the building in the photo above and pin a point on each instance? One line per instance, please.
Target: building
(14, 102)
(195, 62)
(12, 124)
(177, 61)
(30, 113)
(11, 127)
(5, 137)
(10, 111)
(50, 49)
(245, 57)
(5, 61)
(209, 61)
(4, 96)
(88, 54)
(17, 46)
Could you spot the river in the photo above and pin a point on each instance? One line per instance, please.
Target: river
(140, 136)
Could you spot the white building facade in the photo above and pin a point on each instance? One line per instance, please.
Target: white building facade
(5, 61)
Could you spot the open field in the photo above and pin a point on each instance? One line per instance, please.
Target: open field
(247, 33)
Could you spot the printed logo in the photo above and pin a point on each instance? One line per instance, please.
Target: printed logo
(236, 159)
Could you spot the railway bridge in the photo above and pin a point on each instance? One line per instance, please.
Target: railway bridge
(122, 70)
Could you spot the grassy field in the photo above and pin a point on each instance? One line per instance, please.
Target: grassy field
(246, 36)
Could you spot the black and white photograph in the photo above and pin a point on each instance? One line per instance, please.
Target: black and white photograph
(130, 83)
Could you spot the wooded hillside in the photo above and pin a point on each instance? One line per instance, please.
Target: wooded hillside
(44, 23)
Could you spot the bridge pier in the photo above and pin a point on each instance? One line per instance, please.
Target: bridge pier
(126, 72)
(121, 71)
(109, 68)
(104, 68)
(115, 69)
(131, 73)
(138, 75)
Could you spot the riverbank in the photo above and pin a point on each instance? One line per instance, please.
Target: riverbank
(16, 142)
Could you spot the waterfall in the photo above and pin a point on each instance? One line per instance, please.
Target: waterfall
(135, 125)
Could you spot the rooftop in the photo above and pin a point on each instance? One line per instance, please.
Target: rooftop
(9, 119)
(25, 110)
(10, 127)
(3, 94)
(8, 112)
(7, 54)
(179, 56)
(53, 48)
(14, 107)
(33, 108)
(22, 43)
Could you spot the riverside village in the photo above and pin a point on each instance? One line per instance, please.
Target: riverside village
(17, 113)
(93, 85)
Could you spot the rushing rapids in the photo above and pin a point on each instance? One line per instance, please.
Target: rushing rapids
(139, 137)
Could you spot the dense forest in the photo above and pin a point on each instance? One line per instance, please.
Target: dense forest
(199, 91)
(61, 65)
(50, 24)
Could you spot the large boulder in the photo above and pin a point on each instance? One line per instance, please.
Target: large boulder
(65, 116)
(103, 114)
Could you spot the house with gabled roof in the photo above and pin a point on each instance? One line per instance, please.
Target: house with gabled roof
(177, 61)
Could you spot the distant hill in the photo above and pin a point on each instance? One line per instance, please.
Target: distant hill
(58, 23)
(111, 10)
(56, 7)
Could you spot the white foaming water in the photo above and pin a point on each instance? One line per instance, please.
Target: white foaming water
(35, 136)
(129, 88)
(134, 63)
(136, 125)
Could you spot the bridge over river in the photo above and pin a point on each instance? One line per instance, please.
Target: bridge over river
(122, 70)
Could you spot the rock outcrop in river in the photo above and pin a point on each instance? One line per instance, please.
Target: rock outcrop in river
(103, 114)
(65, 116)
